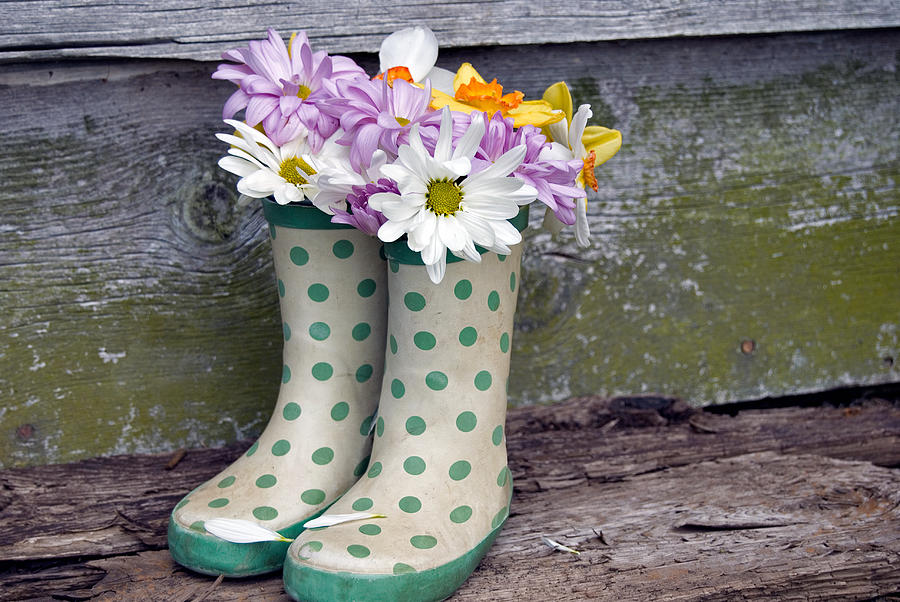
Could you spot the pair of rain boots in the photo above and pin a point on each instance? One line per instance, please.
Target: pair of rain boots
(423, 447)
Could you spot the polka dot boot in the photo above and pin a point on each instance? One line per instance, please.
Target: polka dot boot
(438, 469)
(332, 287)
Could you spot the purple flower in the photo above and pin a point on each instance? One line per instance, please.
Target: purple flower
(554, 180)
(285, 90)
(377, 114)
(361, 216)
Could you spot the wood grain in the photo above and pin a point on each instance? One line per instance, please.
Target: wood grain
(784, 502)
(751, 201)
(44, 29)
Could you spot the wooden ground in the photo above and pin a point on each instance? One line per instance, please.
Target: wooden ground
(665, 502)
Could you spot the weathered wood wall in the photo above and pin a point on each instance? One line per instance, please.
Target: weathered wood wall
(755, 199)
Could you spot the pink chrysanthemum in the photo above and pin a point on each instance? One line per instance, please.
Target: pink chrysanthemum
(361, 216)
(377, 114)
(554, 180)
(284, 89)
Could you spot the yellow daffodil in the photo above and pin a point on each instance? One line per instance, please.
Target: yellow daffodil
(471, 92)
(594, 145)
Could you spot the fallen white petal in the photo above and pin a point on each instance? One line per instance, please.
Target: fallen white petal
(558, 546)
(329, 520)
(241, 531)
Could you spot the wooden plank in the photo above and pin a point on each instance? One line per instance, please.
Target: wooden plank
(749, 202)
(45, 29)
(707, 520)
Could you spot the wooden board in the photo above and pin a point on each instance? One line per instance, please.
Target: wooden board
(45, 29)
(751, 201)
(664, 502)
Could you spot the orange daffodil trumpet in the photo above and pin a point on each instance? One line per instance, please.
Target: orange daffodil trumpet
(472, 92)
(573, 138)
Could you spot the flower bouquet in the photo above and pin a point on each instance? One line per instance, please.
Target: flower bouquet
(382, 473)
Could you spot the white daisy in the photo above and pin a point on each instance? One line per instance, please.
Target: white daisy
(265, 168)
(568, 145)
(335, 178)
(442, 205)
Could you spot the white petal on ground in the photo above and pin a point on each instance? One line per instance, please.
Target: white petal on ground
(558, 546)
(241, 531)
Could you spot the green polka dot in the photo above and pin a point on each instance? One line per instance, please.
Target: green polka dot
(499, 518)
(281, 447)
(252, 449)
(379, 426)
(423, 542)
(366, 427)
(410, 504)
(414, 301)
(265, 512)
(310, 546)
(322, 371)
(483, 380)
(363, 504)
(374, 470)
(317, 292)
(342, 249)
(361, 331)
(361, 467)
(287, 332)
(198, 526)
(313, 497)
(414, 465)
(285, 374)
(281, 291)
(358, 551)
(497, 435)
(291, 411)
(366, 288)
(364, 373)
(218, 503)
(182, 504)
(460, 470)
(323, 456)
(299, 256)
(319, 331)
(393, 343)
(369, 529)
(402, 569)
(226, 482)
(266, 481)
(395, 266)
(272, 232)
(502, 258)
(462, 290)
(436, 380)
(397, 388)
(461, 514)
(340, 411)
(503, 476)
(512, 281)
(468, 336)
(493, 300)
(466, 421)
(424, 340)
(415, 425)
(504, 342)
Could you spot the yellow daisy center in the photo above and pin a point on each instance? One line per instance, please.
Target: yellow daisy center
(402, 120)
(303, 92)
(292, 170)
(443, 197)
